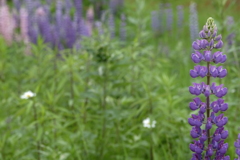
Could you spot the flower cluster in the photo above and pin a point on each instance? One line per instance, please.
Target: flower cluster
(27, 95)
(207, 90)
(208, 146)
(148, 123)
(202, 71)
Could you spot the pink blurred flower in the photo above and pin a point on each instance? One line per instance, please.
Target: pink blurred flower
(7, 23)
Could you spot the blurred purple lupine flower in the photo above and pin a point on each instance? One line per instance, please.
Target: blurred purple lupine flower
(70, 33)
(179, 16)
(169, 14)
(24, 25)
(161, 17)
(69, 5)
(115, 5)
(193, 22)
(231, 34)
(208, 146)
(99, 27)
(237, 146)
(44, 25)
(111, 25)
(7, 23)
(155, 21)
(17, 4)
(90, 19)
(123, 32)
(78, 6)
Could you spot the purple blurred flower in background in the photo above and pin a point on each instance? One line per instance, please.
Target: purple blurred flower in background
(169, 16)
(123, 33)
(237, 146)
(180, 16)
(90, 20)
(161, 17)
(99, 27)
(155, 21)
(115, 5)
(24, 25)
(231, 35)
(7, 23)
(193, 21)
(111, 25)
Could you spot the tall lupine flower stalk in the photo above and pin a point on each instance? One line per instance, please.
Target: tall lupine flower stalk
(208, 146)
(193, 22)
(237, 145)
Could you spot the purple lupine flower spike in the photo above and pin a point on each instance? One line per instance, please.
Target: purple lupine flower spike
(123, 32)
(155, 21)
(213, 145)
(180, 16)
(169, 14)
(111, 24)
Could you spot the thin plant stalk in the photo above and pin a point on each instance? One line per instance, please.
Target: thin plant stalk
(36, 130)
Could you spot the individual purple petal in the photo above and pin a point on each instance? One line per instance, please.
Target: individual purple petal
(207, 56)
(217, 137)
(196, 46)
(224, 107)
(218, 45)
(224, 148)
(238, 151)
(193, 73)
(192, 147)
(211, 43)
(224, 134)
(197, 57)
(209, 124)
(202, 34)
(213, 71)
(219, 37)
(222, 72)
(193, 106)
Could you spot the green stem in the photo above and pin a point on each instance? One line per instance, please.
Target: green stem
(208, 101)
(36, 130)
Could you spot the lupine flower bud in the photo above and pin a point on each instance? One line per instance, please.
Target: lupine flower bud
(207, 56)
(218, 38)
(218, 45)
(198, 71)
(197, 57)
(219, 58)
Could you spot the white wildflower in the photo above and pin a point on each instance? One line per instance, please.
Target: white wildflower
(149, 123)
(27, 95)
